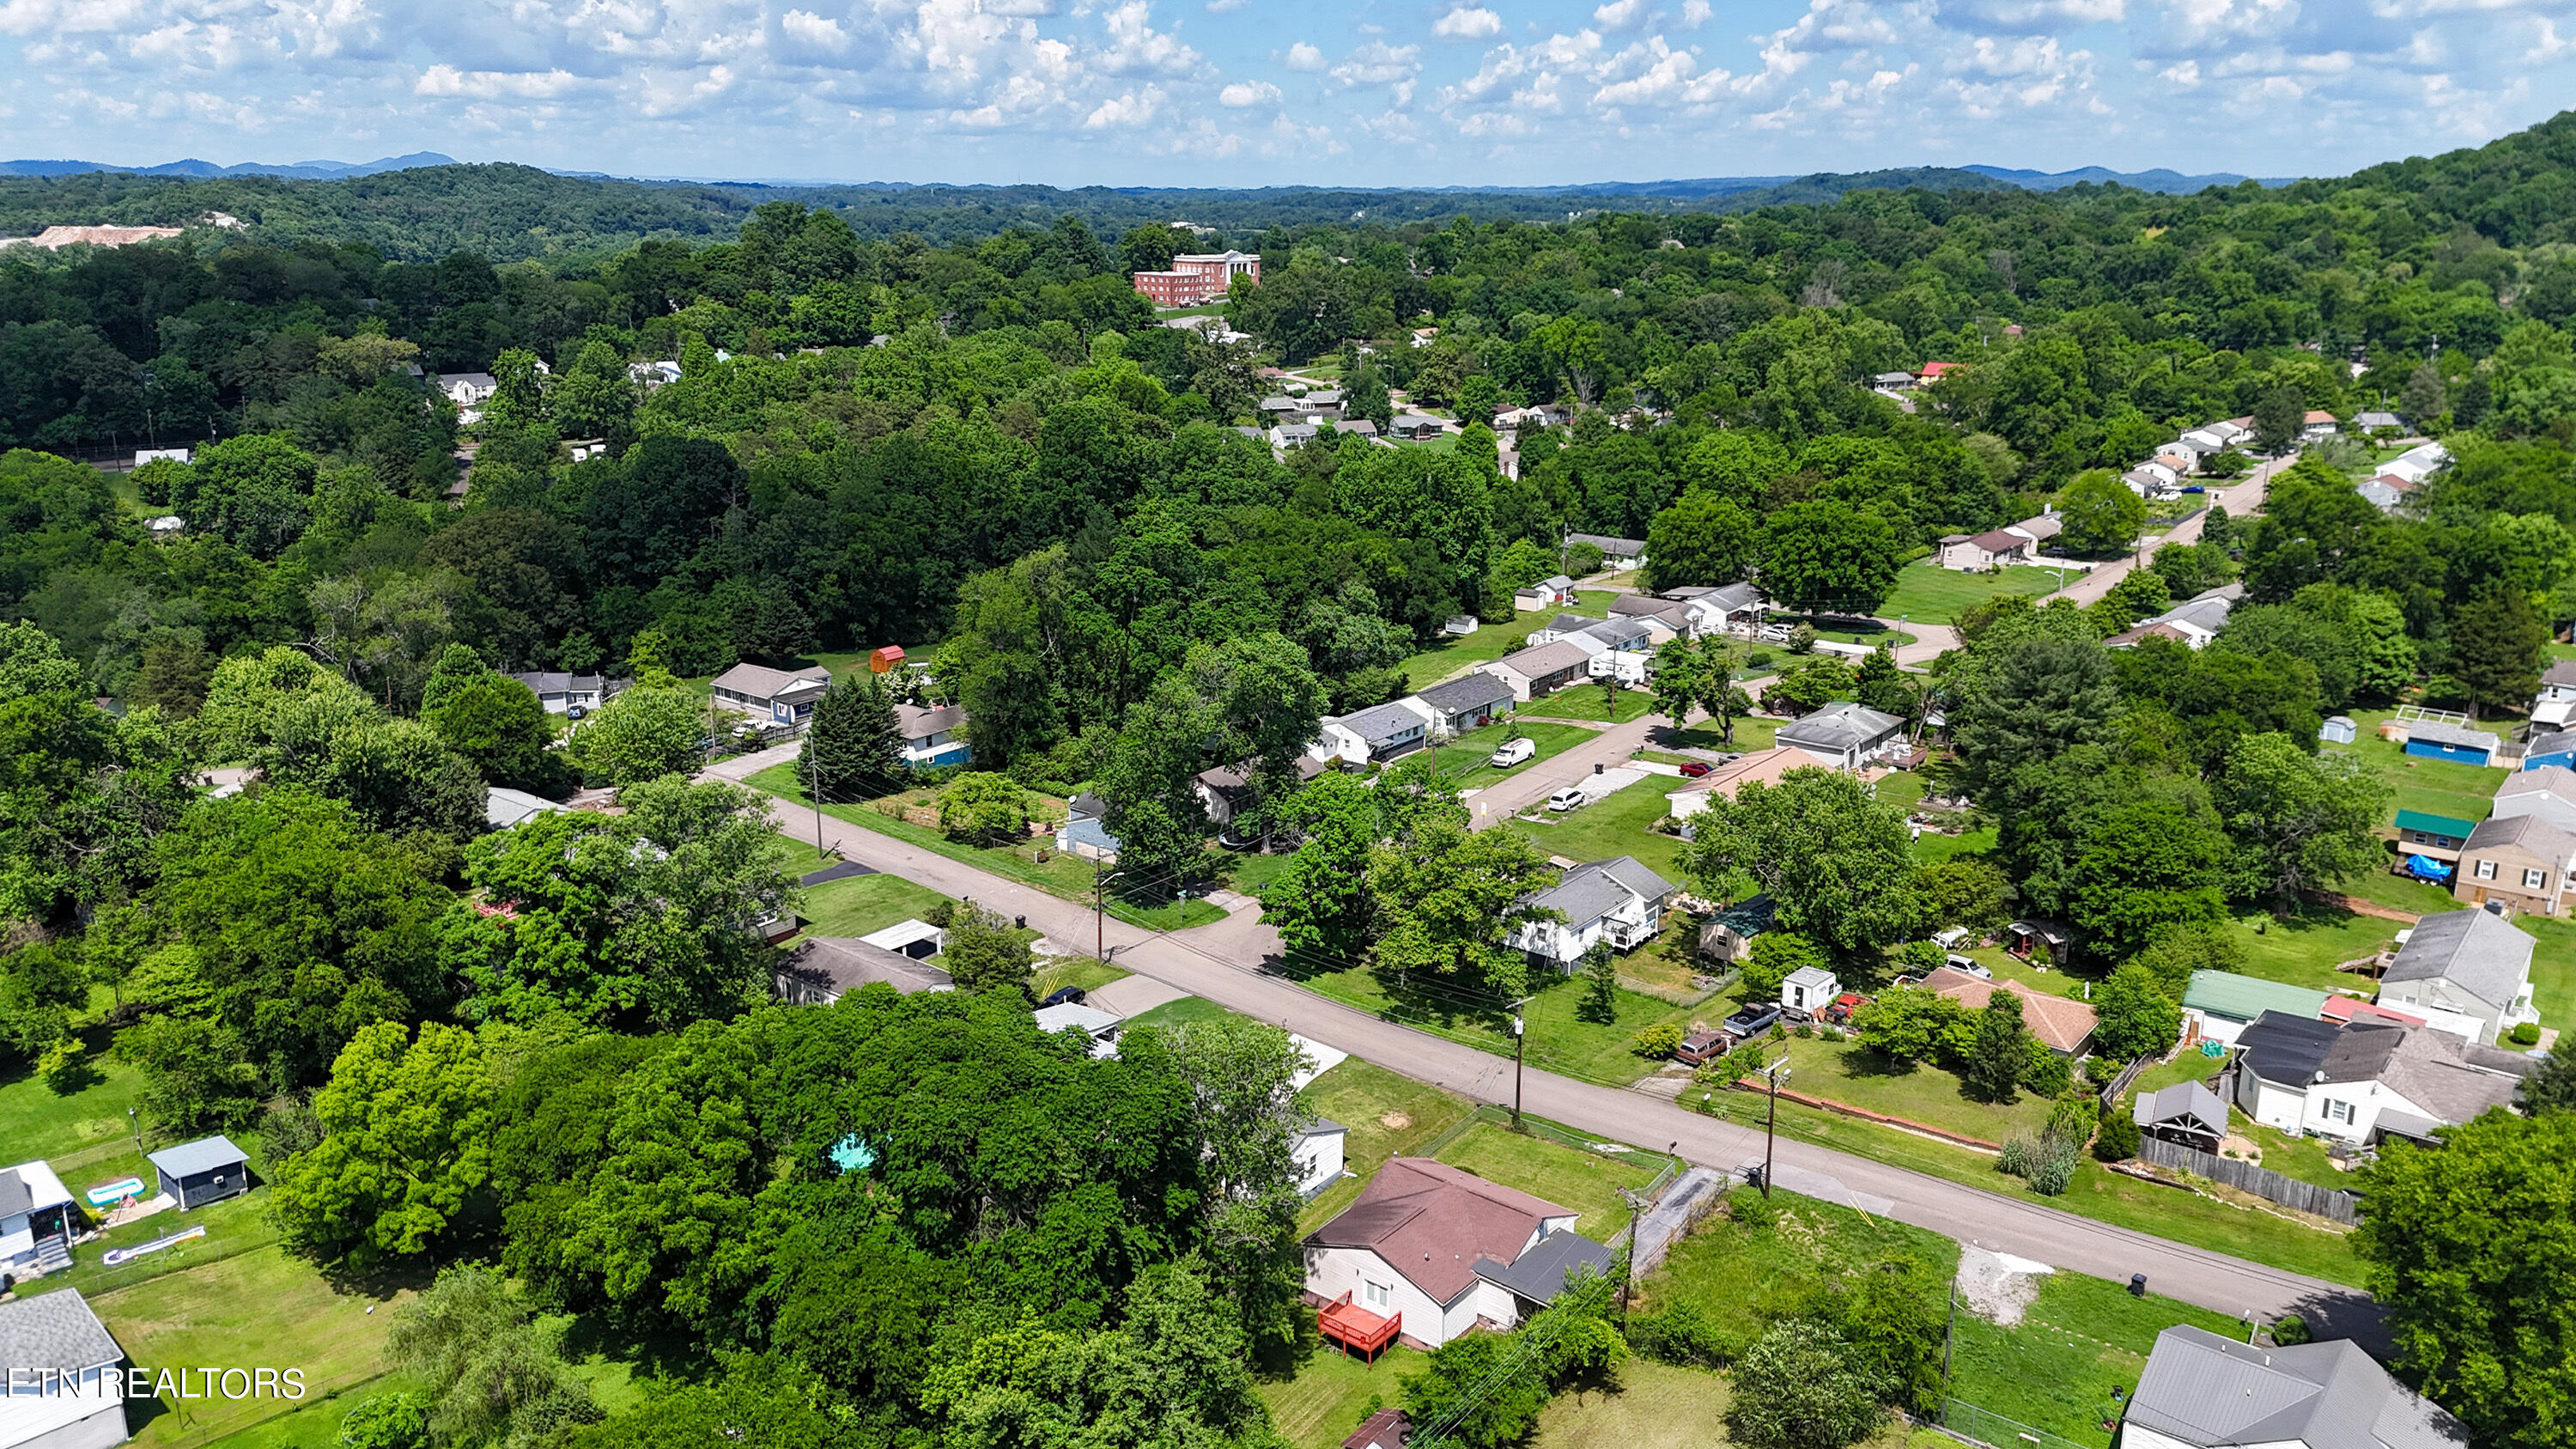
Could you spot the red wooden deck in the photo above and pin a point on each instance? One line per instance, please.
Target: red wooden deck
(1354, 1327)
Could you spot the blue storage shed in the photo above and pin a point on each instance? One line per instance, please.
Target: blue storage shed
(2432, 740)
(2553, 749)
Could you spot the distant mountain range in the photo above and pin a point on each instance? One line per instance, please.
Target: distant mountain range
(205, 170)
(2160, 179)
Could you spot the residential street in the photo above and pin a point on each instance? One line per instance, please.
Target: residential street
(1231, 963)
(2240, 501)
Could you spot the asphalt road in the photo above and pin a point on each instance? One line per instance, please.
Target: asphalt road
(2240, 501)
(1233, 963)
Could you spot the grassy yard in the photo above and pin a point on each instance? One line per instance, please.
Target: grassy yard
(860, 904)
(2081, 1340)
(314, 1423)
(35, 1122)
(1059, 875)
(1249, 872)
(1466, 755)
(1584, 701)
(1557, 1040)
(2438, 787)
(1747, 1276)
(1330, 1395)
(2303, 950)
(1454, 654)
(263, 1307)
(2301, 1157)
(1752, 732)
(2097, 1193)
(1389, 1116)
(1079, 971)
(1850, 1073)
(1932, 848)
(1614, 826)
(1180, 1011)
(1930, 594)
(1587, 1182)
(1657, 1406)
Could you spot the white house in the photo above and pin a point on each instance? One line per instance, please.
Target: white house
(2418, 463)
(783, 696)
(2470, 970)
(932, 736)
(2548, 792)
(1540, 669)
(1551, 592)
(468, 389)
(2553, 706)
(1318, 1155)
(504, 808)
(65, 1376)
(1617, 900)
(1627, 651)
(36, 1221)
(562, 693)
(2195, 622)
(2365, 1079)
(2202, 1390)
(1845, 736)
(1723, 608)
(2041, 531)
(1380, 732)
(1616, 553)
(1101, 1026)
(1442, 1251)
(1467, 702)
(1975, 553)
(1809, 989)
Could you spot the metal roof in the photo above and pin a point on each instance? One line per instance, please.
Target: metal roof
(2207, 1390)
(1541, 1273)
(203, 1155)
(2432, 824)
(1839, 727)
(2243, 998)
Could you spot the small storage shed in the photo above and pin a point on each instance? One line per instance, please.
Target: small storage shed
(2339, 730)
(2557, 747)
(885, 659)
(1808, 989)
(209, 1169)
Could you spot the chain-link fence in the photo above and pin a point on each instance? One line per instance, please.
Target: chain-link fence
(1986, 1427)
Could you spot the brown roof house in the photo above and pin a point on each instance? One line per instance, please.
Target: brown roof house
(1975, 553)
(2061, 1023)
(2519, 861)
(1444, 1251)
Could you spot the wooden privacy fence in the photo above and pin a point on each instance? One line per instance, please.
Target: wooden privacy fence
(2332, 1203)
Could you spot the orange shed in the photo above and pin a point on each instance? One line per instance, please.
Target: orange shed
(885, 660)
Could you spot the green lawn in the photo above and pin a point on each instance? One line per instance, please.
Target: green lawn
(1613, 826)
(1557, 1040)
(1389, 1116)
(1466, 755)
(2438, 787)
(2301, 1157)
(1059, 875)
(1250, 872)
(2080, 1340)
(1454, 654)
(1330, 1395)
(1180, 1011)
(1850, 1073)
(1587, 1182)
(2553, 970)
(1657, 1406)
(2303, 950)
(1932, 847)
(314, 1423)
(264, 1307)
(1747, 1276)
(861, 904)
(1927, 593)
(2097, 1192)
(1079, 971)
(1847, 631)
(1584, 701)
(1752, 732)
(36, 1123)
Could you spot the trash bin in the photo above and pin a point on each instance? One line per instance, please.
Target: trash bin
(2137, 1285)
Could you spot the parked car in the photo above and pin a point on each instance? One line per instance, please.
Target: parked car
(1775, 633)
(1694, 769)
(1970, 965)
(1753, 1020)
(1074, 994)
(1701, 1046)
(578, 711)
(1512, 752)
(1840, 1010)
(1566, 799)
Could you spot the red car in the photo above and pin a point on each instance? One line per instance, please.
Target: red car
(1693, 769)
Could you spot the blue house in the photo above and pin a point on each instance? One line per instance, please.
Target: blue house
(2558, 749)
(2433, 740)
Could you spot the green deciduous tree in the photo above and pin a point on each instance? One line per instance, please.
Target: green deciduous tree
(647, 732)
(406, 1140)
(1321, 905)
(985, 952)
(1600, 985)
(1448, 898)
(1804, 1386)
(2466, 1248)
(984, 807)
(2102, 517)
(1837, 863)
(2148, 865)
(1704, 538)
(491, 1372)
(2133, 1014)
(2299, 821)
(2000, 1056)
(1828, 557)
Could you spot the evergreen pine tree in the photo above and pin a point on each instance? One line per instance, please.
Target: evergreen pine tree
(1600, 986)
(852, 749)
(2497, 647)
(2001, 1052)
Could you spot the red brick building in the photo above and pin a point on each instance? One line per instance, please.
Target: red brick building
(1197, 278)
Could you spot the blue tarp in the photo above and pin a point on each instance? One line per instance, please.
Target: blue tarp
(2427, 867)
(850, 1154)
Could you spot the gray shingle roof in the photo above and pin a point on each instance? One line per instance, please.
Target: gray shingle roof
(1539, 1274)
(1618, 633)
(2432, 1070)
(203, 1155)
(1382, 724)
(914, 722)
(759, 681)
(15, 1196)
(1589, 892)
(2561, 673)
(2533, 833)
(2451, 734)
(1545, 660)
(2184, 1104)
(1570, 624)
(2212, 1391)
(841, 965)
(1840, 727)
(1466, 692)
(1732, 597)
(1623, 547)
(2480, 952)
(53, 1331)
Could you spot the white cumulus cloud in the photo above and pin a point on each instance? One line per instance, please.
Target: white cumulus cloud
(1248, 93)
(1468, 22)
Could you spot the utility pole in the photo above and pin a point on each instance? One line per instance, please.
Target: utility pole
(1099, 913)
(814, 786)
(1949, 1332)
(1771, 1129)
(1516, 1060)
(1636, 1212)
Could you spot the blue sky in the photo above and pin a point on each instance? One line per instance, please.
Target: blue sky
(1260, 92)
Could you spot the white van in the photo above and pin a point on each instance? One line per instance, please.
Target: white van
(1566, 799)
(1513, 752)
